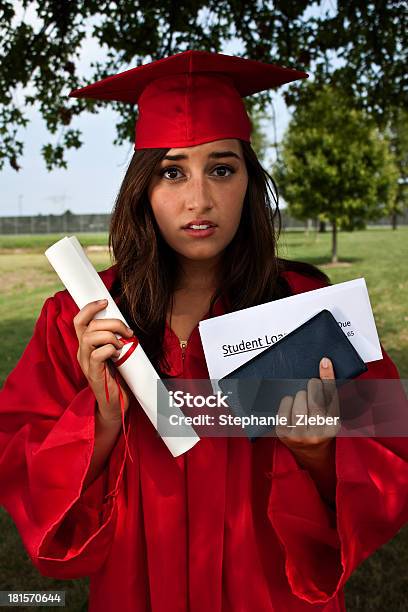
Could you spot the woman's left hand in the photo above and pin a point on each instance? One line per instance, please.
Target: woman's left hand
(312, 417)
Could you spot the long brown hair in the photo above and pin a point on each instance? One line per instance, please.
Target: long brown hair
(147, 267)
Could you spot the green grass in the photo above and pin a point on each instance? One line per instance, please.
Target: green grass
(17, 573)
(40, 242)
(27, 279)
(380, 256)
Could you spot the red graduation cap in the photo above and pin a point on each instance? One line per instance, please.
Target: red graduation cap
(190, 98)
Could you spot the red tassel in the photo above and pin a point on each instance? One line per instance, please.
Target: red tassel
(122, 407)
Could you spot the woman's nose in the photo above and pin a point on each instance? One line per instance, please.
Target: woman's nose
(198, 196)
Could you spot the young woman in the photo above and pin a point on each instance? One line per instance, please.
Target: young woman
(230, 525)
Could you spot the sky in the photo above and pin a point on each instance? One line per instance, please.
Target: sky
(95, 171)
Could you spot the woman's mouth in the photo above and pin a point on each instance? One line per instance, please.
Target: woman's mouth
(200, 230)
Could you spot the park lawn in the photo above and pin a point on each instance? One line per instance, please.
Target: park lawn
(27, 279)
(379, 255)
(40, 242)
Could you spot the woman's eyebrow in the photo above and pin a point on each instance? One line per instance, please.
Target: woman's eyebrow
(214, 155)
(219, 154)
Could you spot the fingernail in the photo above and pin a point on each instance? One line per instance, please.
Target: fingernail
(129, 331)
(102, 301)
(325, 362)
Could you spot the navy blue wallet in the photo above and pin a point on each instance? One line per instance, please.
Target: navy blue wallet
(285, 368)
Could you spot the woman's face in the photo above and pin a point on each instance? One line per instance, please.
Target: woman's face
(197, 195)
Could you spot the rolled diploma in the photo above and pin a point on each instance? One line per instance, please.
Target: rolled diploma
(84, 284)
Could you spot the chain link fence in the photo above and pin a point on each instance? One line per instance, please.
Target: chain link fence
(69, 223)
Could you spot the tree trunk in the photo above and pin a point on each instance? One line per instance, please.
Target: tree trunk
(322, 226)
(394, 219)
(334, 241)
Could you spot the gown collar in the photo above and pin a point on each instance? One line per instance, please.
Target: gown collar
(194, 349)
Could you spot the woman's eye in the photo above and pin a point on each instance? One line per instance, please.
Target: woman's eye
(173, 173)
(170, 173)
(223, 171)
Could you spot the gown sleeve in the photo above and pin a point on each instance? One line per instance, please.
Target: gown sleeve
(324, 545)
(47, 425)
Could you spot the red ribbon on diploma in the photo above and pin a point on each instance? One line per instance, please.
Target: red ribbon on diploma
(134, 342)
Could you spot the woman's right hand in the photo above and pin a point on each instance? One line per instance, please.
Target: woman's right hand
(97, 344)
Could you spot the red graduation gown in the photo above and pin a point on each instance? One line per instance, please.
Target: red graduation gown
(230, 526)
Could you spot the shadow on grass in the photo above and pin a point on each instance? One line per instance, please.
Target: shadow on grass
(295, 245)
(15, 334)
(17, 573)
(381, 582)
(400, 358)
(319, 260)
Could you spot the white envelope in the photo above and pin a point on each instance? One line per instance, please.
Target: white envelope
(232, 339)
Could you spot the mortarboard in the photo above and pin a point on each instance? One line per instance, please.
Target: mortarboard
(191, 97)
